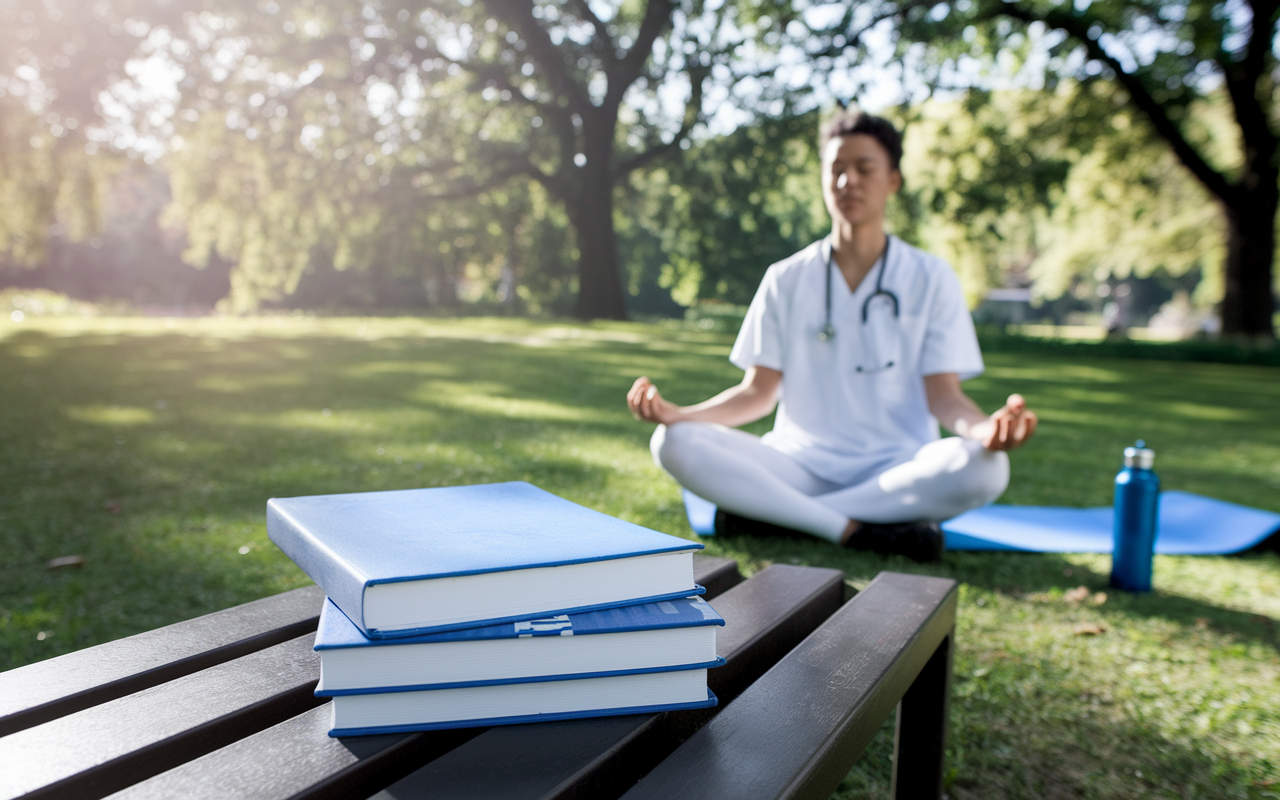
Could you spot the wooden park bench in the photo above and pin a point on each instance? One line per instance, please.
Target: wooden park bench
(222, 707)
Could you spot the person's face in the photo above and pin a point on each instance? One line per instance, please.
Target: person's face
(857, 178)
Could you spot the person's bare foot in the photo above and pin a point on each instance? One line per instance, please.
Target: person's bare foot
(849, 530)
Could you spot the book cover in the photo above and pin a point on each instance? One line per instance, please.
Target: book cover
(509, 704)
(667, 635)
(370, 730)
(416, 546)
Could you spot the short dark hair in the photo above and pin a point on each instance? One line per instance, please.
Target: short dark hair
(849, 123)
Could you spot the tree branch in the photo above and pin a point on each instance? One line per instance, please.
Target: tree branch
(692, 115)
(657, 16)
(518, 14)
(1078, 28)
(895, 12)
(490, 71)
(559, 116)
(602, 30)
(462, 189)
(1242, 79)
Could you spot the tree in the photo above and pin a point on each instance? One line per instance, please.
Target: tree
(572, 70)
(134, 258)
(980, 175)
(1144, 214)
(432, 104)
(1166, 56)
(58, 59)
(286, 160)
(1002, 183)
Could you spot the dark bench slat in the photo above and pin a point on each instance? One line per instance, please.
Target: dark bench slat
(298, 758)
(716, 575)
(765, 617)
(37, 693)
(798, 730)
(110, 746)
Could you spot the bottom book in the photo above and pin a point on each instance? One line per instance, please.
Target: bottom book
(512, 703)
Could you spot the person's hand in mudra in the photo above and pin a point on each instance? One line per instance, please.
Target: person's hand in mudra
(648, 405)
(750, 400)
(1007, 428)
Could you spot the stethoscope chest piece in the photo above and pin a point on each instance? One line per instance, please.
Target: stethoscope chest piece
(827, 333)
(859, 368)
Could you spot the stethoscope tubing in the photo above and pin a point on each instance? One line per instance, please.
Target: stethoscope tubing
(828, 330)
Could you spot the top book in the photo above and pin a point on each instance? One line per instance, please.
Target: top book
(417, 561)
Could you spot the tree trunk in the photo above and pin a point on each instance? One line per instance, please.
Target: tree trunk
(599, 286)
(1247, 304)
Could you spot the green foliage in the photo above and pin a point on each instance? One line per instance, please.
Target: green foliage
(406, 156)
(1170, 60)
(1144, 211)
(382, 139)
(57, 58)
(733, 206)
(40, 303)
(982, 171)
(134, 260)
(410, 139)
(1202, 351)
(999, 183)
(47, 183)
(149, 446)
(1055, 189)
(243, 203)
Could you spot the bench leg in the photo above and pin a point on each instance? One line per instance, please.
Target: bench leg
(919, 742)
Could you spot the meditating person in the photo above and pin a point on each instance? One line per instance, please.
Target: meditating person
(861, 341)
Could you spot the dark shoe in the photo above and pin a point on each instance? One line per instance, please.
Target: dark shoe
(919, 541)
(730, 524)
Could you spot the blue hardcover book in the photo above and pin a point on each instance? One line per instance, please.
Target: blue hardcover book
(426, 560)
(513, 703)
(668, 635)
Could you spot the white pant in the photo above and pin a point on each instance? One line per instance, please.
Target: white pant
(741, 474)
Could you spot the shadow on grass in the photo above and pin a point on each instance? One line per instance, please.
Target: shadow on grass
(1045, 577)
(1087, 758)
(1059, 715)
(152, 456)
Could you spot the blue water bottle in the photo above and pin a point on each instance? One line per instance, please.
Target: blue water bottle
(1137, 505)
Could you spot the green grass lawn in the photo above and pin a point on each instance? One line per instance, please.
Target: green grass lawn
(149, 447)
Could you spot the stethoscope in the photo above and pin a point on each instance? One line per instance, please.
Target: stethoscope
(828, 331)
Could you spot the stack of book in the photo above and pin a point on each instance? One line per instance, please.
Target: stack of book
(495, 604)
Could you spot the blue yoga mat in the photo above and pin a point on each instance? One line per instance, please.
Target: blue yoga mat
(1190, 524)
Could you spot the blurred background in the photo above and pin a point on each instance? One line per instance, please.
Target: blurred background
(1088, 168)
(325, 188)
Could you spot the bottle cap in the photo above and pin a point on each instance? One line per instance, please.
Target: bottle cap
(1139, 457)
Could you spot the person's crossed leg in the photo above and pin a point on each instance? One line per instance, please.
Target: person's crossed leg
(741, 474)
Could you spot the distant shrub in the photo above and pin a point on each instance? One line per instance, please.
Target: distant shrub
(18, 304)
(714, 317)
(1225, 351)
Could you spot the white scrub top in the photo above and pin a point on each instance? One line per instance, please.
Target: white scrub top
(842, 424)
